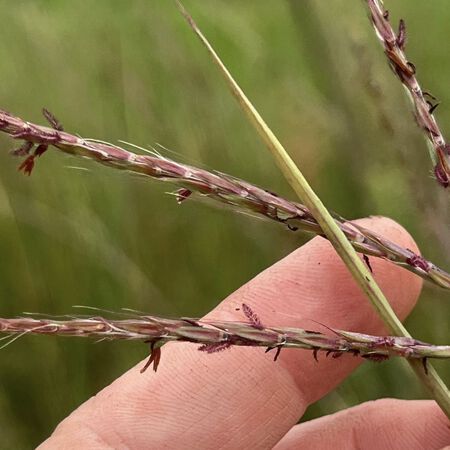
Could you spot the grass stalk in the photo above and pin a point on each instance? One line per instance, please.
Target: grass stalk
(326, 221)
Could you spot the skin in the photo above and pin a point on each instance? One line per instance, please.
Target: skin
(241, 398)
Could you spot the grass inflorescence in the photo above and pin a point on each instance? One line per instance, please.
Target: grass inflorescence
(215, 336)
(217, 186)
(424, 102)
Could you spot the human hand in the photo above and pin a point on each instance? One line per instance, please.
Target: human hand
(240, 398)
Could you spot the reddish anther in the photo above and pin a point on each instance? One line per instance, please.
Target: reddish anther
(433, 107)
(27, 165)
(315, 352)
(366, 260)
(182, 194)
(40, 150)
(277, 353)
(155, 358)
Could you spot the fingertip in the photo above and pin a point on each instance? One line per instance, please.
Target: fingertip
(384, 423)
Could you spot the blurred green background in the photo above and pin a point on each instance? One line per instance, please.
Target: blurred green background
(132, 70)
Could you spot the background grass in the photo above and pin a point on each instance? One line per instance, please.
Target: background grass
(134, 71)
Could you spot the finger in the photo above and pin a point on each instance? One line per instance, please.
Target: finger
(240, 397)
(387, 424)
